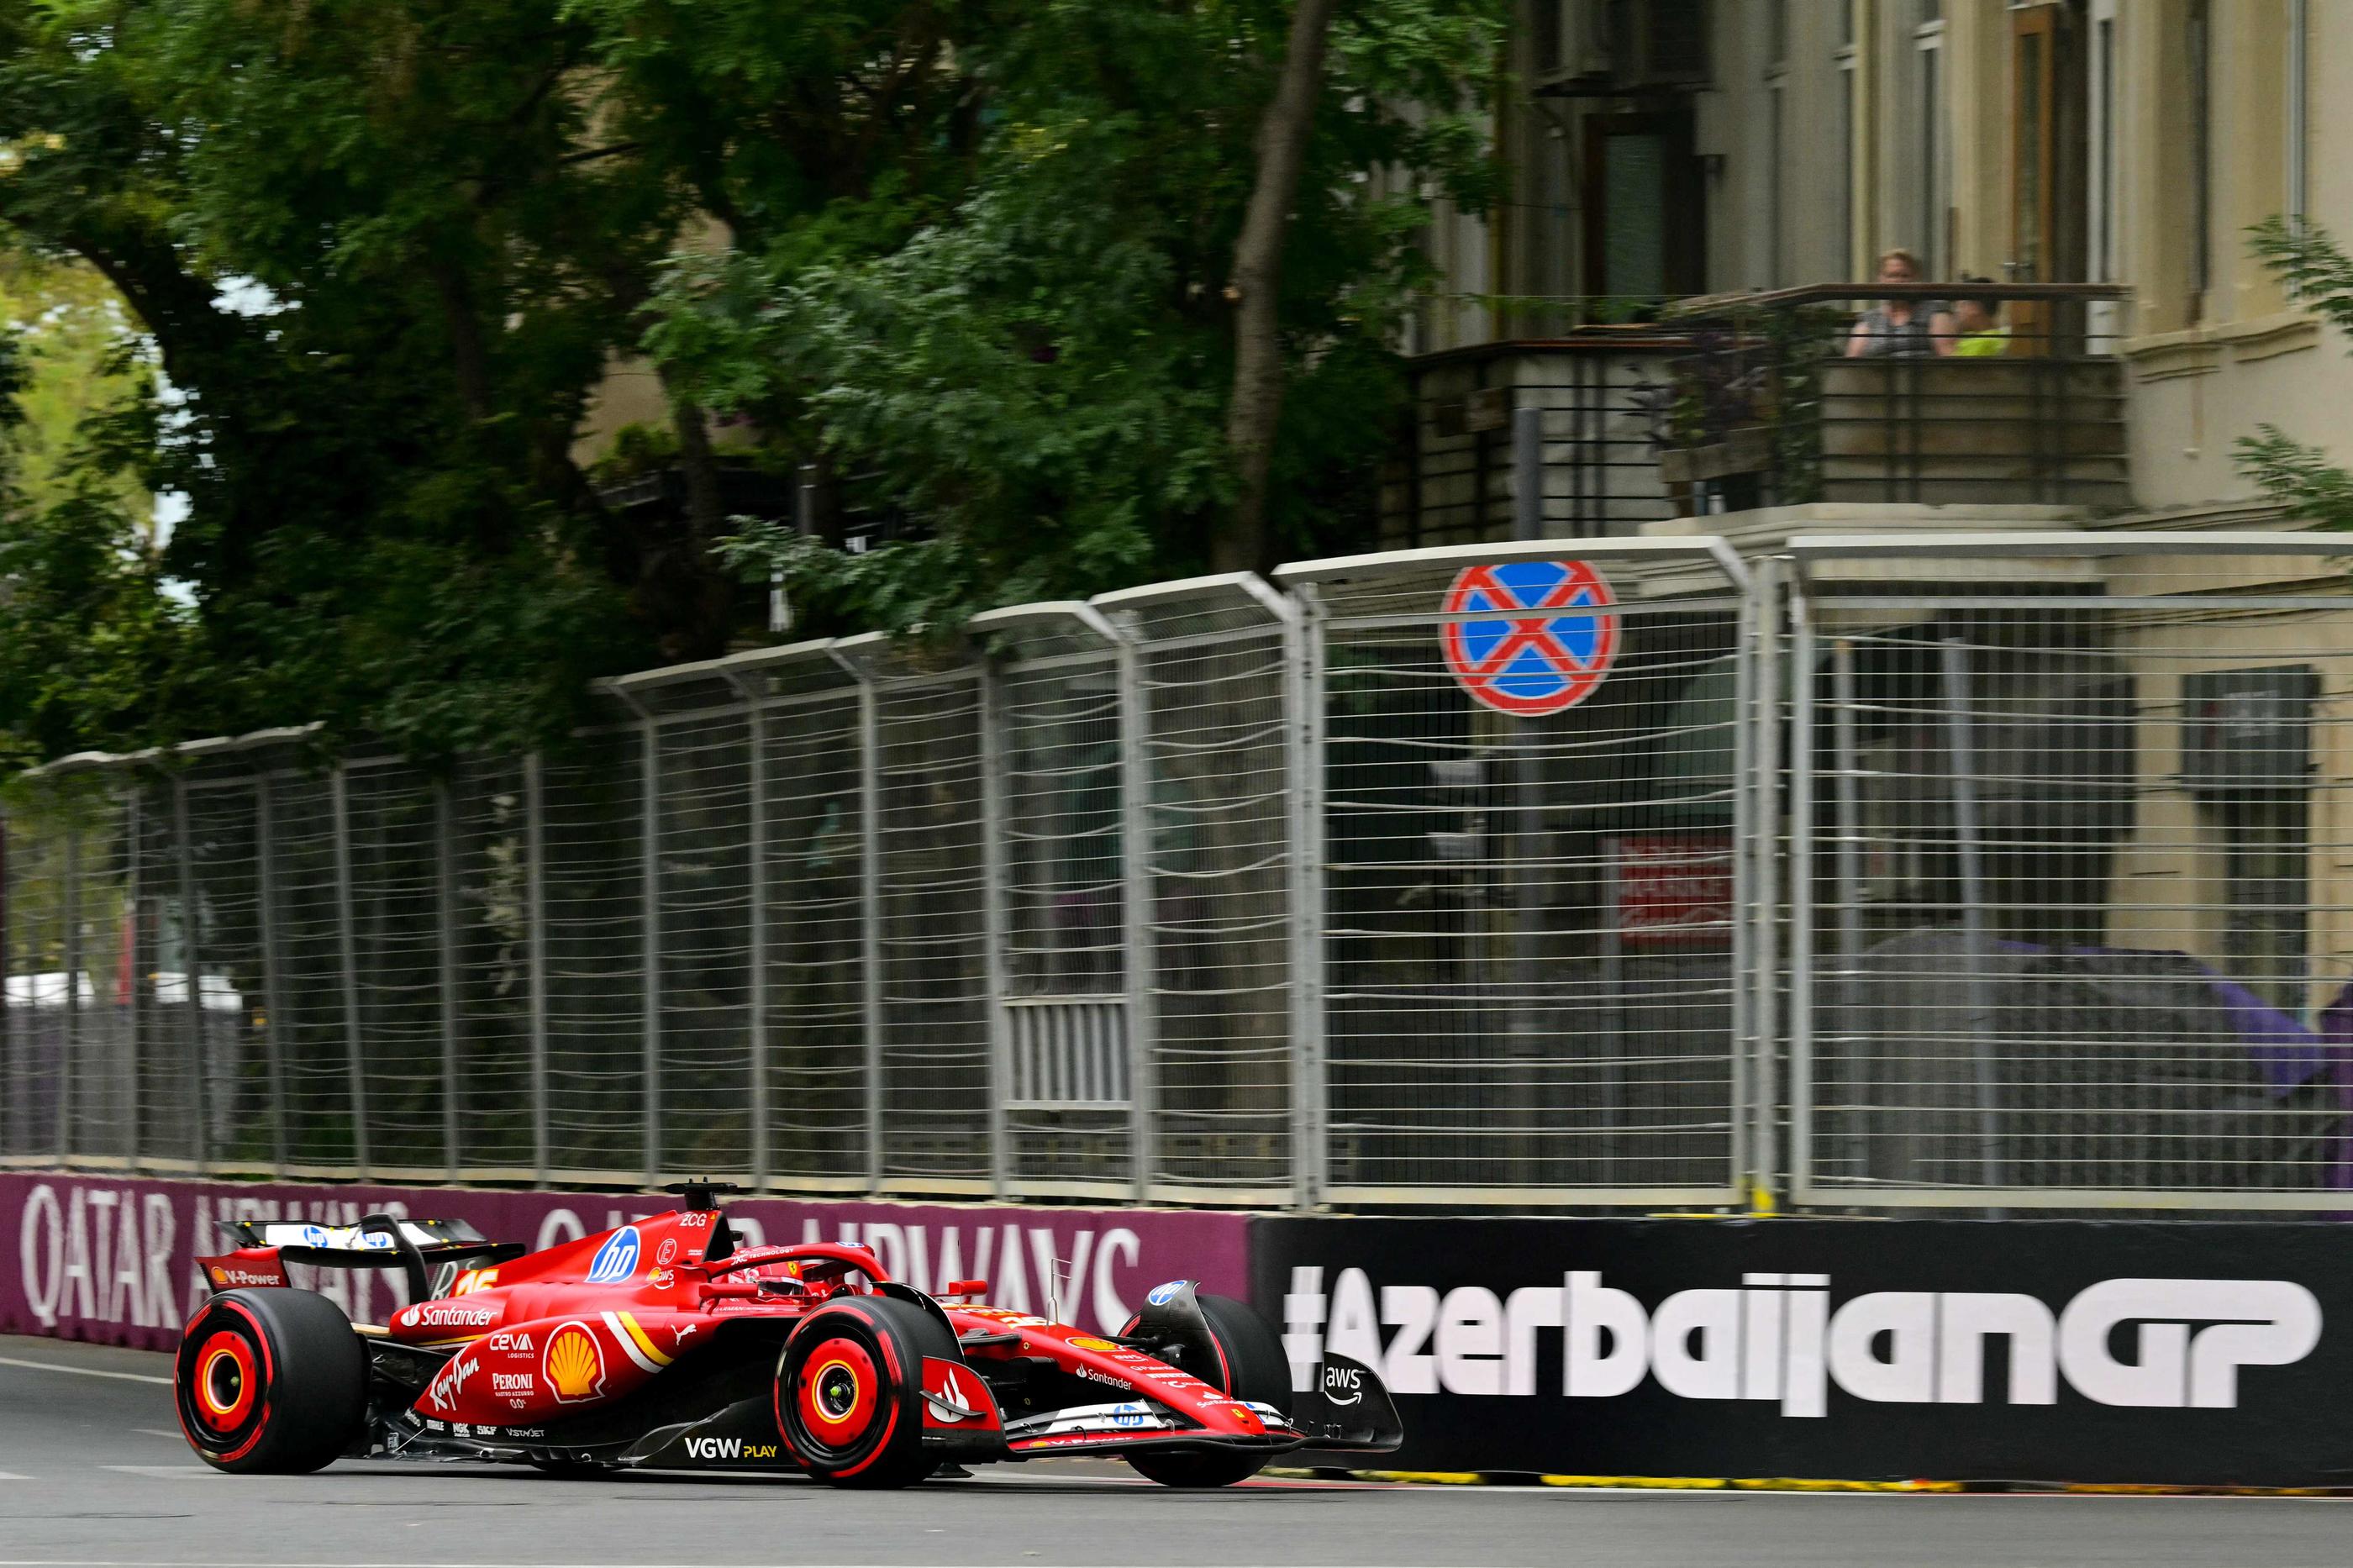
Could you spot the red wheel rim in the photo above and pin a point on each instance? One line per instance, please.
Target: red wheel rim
(226, 1382)
(839, 1390)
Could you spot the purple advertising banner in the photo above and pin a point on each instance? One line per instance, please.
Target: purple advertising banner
(111, 1259)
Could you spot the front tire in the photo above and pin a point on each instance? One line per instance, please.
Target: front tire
(271, 1383)
(1249, 1365)
(849, 1391)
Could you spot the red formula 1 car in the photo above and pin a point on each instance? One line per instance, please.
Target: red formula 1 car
(663, 1343)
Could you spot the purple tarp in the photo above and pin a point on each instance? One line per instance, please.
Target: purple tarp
(111, 1258)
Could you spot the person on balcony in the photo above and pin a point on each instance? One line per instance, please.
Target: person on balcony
(1977, 320)
(1901, 329)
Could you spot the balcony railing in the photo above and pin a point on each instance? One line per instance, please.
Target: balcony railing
(1585, 405)
(1818, 395)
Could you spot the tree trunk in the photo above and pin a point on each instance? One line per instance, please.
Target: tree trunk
(691, 610)
(1256, 287)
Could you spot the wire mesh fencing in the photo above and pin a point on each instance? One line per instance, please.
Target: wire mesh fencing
(1533, 977)
(2072, 828)
(1994, 871)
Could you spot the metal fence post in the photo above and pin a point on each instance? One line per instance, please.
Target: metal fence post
(1527, 473)
(128, 963)
(535, 844)
(756, 735)
(347, 951)
(1138, 962)
(69, 1042)
(1303, 681)
(993, 921)
(191, 965)
(445, 890)
(1767, 841)
(1803, 1081)
(1962, 752)
(1850, 886)
(649, 928)
(1748, 912)
(870, 852)
(273, 967)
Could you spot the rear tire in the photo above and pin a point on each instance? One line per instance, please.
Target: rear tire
(1249, 1365)
(271, 1381)
(849, 1391)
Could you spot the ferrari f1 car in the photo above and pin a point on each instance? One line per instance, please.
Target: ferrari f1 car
(664, 1344)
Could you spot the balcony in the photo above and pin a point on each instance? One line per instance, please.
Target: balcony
(1736, 403)
(1769, 408)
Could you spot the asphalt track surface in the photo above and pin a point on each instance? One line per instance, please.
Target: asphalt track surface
(93, 1474)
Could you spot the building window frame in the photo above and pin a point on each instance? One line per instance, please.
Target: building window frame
(1846, 62)
(1932, 146)
(2199, 41)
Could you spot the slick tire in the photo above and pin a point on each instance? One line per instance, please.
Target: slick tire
(271, 1383)
(1249, 1365)
(849, 1391)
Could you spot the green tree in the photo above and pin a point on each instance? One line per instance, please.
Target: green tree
(1042, 370)
(2308, 260)
(385, 251)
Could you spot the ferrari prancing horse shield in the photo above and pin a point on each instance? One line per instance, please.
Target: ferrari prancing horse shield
(1531, 664)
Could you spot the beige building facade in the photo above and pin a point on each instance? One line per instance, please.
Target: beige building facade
(1663, 149)
(1678, 147)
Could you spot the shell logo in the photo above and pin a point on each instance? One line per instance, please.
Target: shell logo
(573, 1365)
(1089, 1343)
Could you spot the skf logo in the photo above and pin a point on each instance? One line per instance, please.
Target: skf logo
(2156, 1343)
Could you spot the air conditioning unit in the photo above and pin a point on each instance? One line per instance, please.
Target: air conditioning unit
(1606, 48)
(1658, 43)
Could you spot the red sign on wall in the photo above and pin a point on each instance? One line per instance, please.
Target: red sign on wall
(1674, 889)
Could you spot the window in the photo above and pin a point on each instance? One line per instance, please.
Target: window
(1644, 216)
(1777, 148)
(2246, 752)
(2266, 843)
(1845, 60)
(2298, 176)
(1549, 36)
(1930, 181)
(2104, 149)
(2200, 40)
(2103, 322)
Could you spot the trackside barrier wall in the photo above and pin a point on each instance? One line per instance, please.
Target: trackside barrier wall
(2188, 1353)
(2180, 1352)
(111, 1258)
(1992, 870)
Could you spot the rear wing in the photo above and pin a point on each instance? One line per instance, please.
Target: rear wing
(433, 1252)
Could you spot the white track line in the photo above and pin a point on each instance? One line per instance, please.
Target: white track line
(84, 1371)
(13, 1476)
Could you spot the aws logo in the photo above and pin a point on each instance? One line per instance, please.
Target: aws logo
(2155, 1343)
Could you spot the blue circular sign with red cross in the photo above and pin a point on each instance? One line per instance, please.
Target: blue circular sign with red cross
(1548, 648)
